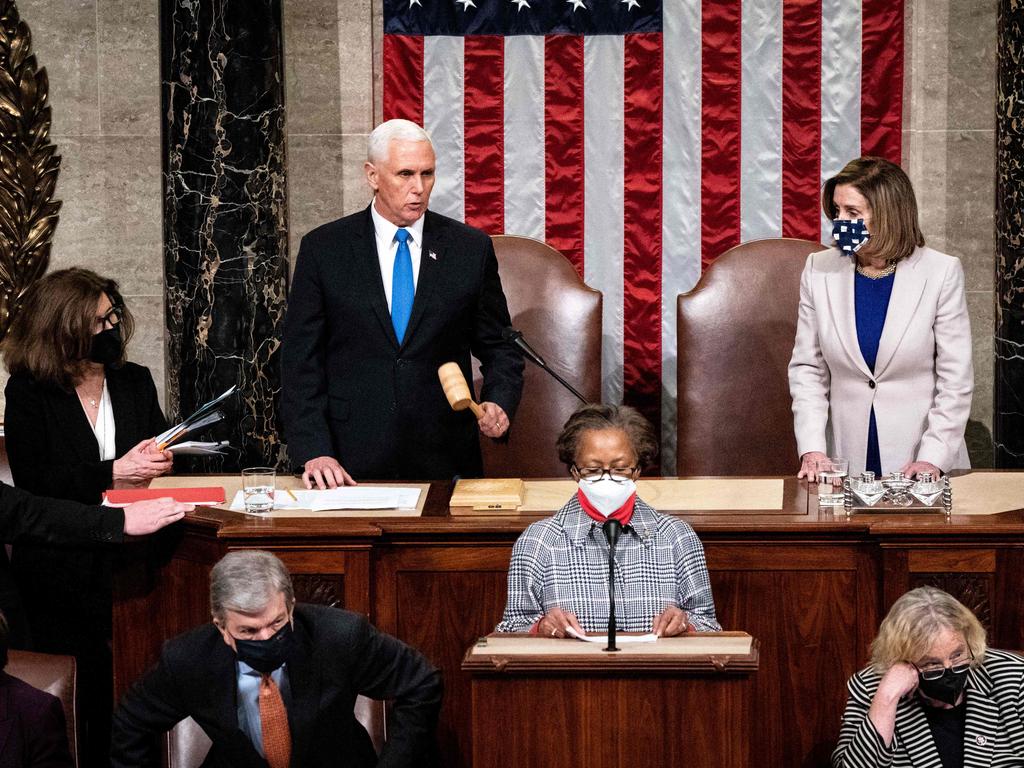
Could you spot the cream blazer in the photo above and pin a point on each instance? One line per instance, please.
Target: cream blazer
(923, 380)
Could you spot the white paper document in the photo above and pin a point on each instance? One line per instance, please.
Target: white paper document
(199, 448)
(350, 497)
(650, 637)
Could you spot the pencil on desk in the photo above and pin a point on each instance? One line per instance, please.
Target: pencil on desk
(289, 492)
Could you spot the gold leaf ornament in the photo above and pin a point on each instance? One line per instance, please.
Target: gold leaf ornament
(29, 165)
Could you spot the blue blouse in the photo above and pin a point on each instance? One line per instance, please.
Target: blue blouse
(871, 302)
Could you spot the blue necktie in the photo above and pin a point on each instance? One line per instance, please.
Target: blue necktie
(402, 289)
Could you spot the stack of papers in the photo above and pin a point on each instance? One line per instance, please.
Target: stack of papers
(350, 497)
(206, 415)
(650, 637)
(197, 448)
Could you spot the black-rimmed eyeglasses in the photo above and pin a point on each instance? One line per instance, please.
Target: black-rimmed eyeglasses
(616, 474)
(114, 316)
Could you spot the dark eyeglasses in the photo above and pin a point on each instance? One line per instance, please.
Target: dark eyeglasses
(616, 474)
(113, 316)
(958, 665)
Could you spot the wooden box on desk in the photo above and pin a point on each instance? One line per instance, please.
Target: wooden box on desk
(679, 701)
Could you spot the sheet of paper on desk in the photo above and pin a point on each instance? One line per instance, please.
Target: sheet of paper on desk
(350, 497)
(650, 637)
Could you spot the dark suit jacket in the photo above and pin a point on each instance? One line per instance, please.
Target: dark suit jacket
(53, 452)
(33, 731)
(339, 655)
(349, 390)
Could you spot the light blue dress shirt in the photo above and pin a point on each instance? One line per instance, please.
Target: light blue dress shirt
(249, 700)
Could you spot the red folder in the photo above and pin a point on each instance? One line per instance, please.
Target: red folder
(120, 497)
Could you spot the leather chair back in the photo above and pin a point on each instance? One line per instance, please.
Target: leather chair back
(56, 675)
(186, 744)
(561, 319)
(735, 337)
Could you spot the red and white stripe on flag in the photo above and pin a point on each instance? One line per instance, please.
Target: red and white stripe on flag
(642, 156)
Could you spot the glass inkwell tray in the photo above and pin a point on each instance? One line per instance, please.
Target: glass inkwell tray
(896, 493)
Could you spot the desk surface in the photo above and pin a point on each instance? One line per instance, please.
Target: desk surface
(799, 513)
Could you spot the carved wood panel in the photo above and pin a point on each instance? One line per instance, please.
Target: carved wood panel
(320, 588)
(972, 589)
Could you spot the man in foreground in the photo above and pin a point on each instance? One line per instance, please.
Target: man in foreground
(269, 680)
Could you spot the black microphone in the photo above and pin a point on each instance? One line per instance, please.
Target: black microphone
(515, 338)
(612, 528)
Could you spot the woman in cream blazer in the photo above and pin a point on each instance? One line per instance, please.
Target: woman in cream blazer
(922, 377)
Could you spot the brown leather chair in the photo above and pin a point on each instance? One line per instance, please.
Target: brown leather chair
(735, 336)
(561, 319)
(186, 745)
(56, 675)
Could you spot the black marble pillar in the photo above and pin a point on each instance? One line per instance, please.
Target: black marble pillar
(1008, 416)
(225, 242)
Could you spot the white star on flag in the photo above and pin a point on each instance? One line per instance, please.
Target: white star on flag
(466, 4)
(415, 2)
(576, 4)
(521, 3)
(630, 4)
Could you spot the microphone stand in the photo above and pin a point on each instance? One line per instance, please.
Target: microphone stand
(515, 338)
(612, 529)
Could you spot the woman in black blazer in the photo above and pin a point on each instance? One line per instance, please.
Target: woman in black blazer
(78, 418)
(934, 695)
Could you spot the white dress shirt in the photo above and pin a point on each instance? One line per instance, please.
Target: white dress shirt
(387, 247)
(104, 426)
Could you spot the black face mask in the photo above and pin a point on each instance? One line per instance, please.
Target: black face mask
(946, 689)
(107, 346)
(266, 655)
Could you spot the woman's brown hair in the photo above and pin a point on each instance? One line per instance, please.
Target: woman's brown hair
(895, 231)
(51, 336)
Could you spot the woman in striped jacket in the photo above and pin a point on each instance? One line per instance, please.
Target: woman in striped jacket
(934, 696)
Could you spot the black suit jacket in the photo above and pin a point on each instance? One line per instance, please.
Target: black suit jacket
(339, 655)
(33, 731)
(53, 452)
(351, 391)
(52, 448)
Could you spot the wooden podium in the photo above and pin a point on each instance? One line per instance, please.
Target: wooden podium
(677, 701)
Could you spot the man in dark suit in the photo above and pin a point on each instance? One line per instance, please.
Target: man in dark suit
(380, 299)
(274, 683)
(33, 731)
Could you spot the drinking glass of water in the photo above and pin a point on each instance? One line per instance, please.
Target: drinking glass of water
(258, 489)
(831, 474)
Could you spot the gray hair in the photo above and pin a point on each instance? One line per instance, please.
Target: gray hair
(246, 581)
(393, 130)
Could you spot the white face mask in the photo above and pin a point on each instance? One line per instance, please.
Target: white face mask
(606, 495)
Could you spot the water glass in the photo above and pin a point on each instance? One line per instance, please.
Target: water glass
(831, 474)
(258, 489)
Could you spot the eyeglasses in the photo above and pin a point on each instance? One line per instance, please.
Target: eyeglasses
(615, 474)
(113, 317)
(958, 665)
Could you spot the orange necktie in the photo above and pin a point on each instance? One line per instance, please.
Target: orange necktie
(277, 740)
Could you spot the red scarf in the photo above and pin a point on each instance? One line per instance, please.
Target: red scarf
(623, 514)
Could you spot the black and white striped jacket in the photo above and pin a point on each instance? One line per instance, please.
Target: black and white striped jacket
(995, 721)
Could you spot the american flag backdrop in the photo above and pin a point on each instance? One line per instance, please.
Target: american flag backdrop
(642, 139)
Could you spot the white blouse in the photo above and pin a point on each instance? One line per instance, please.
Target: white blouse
(104, 426)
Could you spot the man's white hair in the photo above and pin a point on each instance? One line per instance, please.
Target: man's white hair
(391, 130)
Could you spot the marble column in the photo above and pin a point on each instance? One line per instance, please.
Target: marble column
(1008, 416)
(225, 241)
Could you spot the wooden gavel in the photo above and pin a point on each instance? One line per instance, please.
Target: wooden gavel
(456, 389)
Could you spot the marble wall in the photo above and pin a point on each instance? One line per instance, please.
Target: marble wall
(1009, 337)
(103, 60)
(949, 153)
(225, 218)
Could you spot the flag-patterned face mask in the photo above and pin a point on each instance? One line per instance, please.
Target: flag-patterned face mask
(849, 234)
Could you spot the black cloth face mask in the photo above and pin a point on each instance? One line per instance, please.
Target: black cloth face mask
(946, 689)
(267, 655)
(107, 346)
